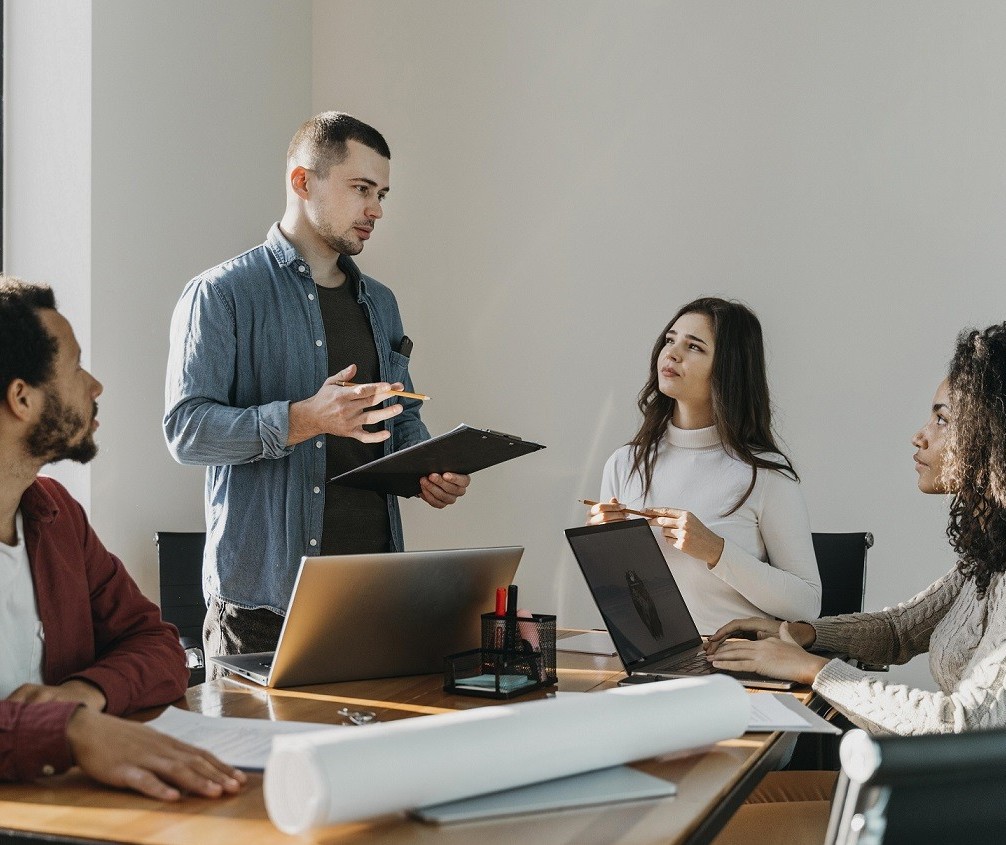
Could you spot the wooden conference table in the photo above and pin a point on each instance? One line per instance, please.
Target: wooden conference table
(711, 782)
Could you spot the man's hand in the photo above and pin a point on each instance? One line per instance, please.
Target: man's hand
(74, 690)
(775, 657)
(343, 411)
(439, 491)
(132, 756)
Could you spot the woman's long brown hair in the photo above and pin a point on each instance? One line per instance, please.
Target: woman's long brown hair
(741, 405)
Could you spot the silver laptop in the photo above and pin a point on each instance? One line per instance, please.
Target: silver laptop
(353, 617)
(642, 607)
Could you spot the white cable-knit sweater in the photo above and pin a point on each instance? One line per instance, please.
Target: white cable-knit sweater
(966, 640)
(767, 568)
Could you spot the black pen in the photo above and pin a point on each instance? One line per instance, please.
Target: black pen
(510, 628)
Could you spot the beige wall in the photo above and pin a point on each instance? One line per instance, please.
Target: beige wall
(173, 162)
(193, 105)
(47, 165)
(566, 173)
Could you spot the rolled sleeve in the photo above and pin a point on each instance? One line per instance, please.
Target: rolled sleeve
(202, 426)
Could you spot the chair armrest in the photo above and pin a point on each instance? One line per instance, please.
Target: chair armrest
(872, 667)
(194, 657)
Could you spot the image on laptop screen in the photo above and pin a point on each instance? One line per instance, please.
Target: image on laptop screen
(633, 588)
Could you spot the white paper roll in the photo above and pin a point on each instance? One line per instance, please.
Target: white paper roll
(336, 776)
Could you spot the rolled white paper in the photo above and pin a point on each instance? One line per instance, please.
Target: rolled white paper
(335, 776)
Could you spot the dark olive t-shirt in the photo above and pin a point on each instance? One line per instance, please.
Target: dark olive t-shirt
(356, 521)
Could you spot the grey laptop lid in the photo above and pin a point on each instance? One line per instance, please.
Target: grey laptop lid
(354, 617)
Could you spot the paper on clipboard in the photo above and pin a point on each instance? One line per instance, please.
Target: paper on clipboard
(463, 450)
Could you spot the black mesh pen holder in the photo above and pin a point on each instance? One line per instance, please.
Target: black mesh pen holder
(514, 659)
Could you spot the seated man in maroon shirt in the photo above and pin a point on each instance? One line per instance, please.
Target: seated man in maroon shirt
(79, 644)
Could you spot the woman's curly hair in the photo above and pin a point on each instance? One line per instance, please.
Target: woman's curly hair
(974, 464)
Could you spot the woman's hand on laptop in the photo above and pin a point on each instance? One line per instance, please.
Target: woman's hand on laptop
(759, 628)
(774, 656)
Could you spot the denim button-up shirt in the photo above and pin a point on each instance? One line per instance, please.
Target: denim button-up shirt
(247, 339)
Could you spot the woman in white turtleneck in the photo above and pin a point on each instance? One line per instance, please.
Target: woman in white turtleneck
(726, 503)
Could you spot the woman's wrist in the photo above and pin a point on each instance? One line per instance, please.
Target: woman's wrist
(718, 553)
(814, 666)
(804, 633)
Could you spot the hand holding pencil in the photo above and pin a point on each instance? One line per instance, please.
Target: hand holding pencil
(613, 511)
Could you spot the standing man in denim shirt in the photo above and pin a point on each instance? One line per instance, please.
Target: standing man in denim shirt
(258, 347)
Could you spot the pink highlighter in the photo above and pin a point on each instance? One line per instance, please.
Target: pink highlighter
(528, 631)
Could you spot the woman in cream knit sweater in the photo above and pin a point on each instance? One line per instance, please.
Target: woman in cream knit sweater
(961, 619)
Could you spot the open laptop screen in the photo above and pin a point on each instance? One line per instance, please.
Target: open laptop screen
(633, 588)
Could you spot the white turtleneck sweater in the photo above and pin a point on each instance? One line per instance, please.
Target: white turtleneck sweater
(767, 568)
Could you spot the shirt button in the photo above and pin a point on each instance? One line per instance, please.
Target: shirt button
(48, 769)
(314, 542)
(319, 443)
(317, 343)
(317, 489)
(302, 268)
(311, 297)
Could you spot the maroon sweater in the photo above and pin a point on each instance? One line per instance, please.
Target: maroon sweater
(97, 626)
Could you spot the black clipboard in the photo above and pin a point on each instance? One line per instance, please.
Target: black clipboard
(464, 450)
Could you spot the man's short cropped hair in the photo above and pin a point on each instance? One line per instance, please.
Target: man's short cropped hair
(321, 141)
(27, 350)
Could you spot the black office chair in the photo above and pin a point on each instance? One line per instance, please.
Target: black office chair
(180, 563)
(945, 788)
(841, 561)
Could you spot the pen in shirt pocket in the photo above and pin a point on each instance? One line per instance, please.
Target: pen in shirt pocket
(405, 347)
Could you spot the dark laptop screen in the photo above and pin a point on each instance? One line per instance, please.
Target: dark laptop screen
(633, 588)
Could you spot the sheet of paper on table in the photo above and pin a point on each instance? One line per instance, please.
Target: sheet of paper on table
(590, 642)
(782, 711)
(242, 743)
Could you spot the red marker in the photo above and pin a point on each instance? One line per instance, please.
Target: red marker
(501, 601)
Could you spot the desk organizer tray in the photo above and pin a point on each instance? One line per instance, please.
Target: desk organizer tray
(505, 670)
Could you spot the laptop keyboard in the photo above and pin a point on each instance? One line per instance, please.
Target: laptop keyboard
(695, 665)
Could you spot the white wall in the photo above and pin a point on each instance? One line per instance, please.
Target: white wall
(173, 120)
(566, 174)
(193, 105)
(47, 157)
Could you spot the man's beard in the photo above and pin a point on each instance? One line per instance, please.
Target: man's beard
(52, 438)
(341, 244)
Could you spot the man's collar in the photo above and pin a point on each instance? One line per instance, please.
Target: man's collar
(281, 248)
(286, 254)
(37, 504)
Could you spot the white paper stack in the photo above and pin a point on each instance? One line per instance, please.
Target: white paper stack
(338, 776)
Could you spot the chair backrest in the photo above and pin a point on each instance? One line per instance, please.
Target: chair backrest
(180, 563)
(841, 560)
(945, 788)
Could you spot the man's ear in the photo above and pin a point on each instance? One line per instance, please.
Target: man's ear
(21, 398)
(299, 181)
